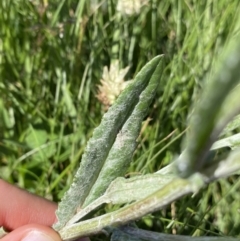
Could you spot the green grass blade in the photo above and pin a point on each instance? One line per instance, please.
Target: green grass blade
(57, 13)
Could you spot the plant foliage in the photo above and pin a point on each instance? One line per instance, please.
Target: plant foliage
(54, 58)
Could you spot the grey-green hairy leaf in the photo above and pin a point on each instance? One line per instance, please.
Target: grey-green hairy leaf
(122, 191)
(98, 147)
(136, 210)
(232, 141)
(120, 155)
(173, 190)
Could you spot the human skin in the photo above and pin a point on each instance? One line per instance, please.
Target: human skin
(24, 214)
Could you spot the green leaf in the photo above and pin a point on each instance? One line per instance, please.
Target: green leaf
(172, 191)
(114, 127)
(37, 139)
(209, 118)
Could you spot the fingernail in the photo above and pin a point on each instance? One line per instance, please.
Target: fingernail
(37, 236)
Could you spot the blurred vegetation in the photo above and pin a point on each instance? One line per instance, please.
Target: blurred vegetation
(52, 56)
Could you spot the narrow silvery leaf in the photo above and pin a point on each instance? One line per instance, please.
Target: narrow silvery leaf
(205, 125)
(100, 144)
(122, 191)
(224, 168)
(173, 190)
(232, 141)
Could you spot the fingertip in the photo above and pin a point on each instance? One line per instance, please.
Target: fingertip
(37, 236)
(20, 207)
(32, 232)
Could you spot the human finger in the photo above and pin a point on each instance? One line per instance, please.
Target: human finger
(32, 232)
(19, 207)
(19, 210)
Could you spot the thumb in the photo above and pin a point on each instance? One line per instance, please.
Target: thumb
(32, 232)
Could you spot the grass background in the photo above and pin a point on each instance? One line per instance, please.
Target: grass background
(52, 55)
